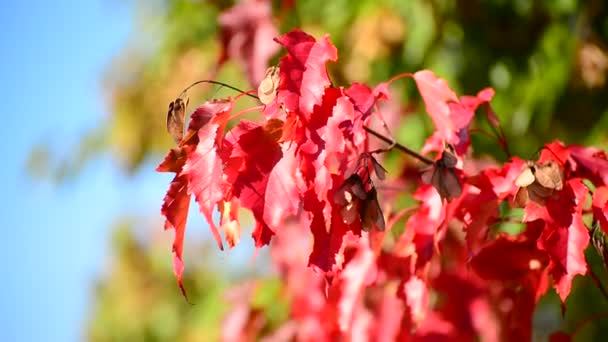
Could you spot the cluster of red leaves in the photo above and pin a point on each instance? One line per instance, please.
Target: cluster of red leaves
(287, 168)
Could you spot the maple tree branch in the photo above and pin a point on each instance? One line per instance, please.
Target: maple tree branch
(221, 84)
(398, 146)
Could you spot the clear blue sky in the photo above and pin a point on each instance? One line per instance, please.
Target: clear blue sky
(54, 240)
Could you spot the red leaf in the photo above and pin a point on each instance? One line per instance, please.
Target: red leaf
(203, 167)
(285, 184)
(177, 200)
(565, 236)
(326, 256)
(175, 210)
(450, 114)
(478, 207)
(591, 163)
(509, 258)
(600, 207)
(303, 73)
(246, 33)
(555, 151)
(250, 153)
(464, 310)
(358, 273)
(425, 223)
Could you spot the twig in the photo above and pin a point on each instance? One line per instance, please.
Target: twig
(398, 146)
(218, 83)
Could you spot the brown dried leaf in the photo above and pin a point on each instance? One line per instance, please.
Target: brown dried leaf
(371, 214)
(549, 175)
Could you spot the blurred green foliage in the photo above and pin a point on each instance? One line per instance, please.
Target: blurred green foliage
(547, 61)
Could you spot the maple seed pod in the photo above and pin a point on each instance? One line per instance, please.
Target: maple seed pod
(442, 175)
(348, 196)
(537, 182)
(175, 119)
(371, 214)
(379, 170)
(267, 90)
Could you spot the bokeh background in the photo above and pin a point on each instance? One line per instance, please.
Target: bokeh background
(85, 89)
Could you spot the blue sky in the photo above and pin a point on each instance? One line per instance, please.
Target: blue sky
(54, 239)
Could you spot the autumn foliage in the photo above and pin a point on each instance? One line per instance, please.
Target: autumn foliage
(355, 264)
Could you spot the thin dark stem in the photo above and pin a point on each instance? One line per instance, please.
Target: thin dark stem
(221, 84)
(503, 139)
(496, 137)
(587, 320)
(398, 146)
(597, 281)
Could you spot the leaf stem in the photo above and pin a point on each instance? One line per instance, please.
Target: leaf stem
(221, 84)
(597, 281)
(398, 146)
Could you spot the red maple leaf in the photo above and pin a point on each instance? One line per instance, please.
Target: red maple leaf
(285, 183)
(250, 152)
(450, 114)
(564, 236)
(203, 168)
(359, 272)
(185, 161)
(303, 73)
(424, 225)
(477, 209)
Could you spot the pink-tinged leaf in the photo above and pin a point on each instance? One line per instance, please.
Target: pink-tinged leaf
(247, 34)
(358, 273)
(417, 298)
(303, 73)
(285, 184)
(250, 152)
(424, 224)
(388, 316)
(591, 163)
(203, 168)
(331, 133)
(364, 98)
(600, 207)
(437, 96)
(450, 114)
(177, 201)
